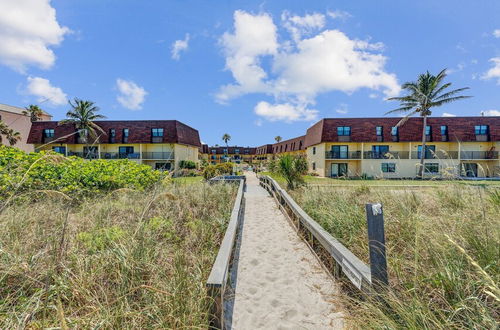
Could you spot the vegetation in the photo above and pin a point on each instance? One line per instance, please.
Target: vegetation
(292, 169)
(12, 136)
(82, 115)
(187, 164)
(421, 96)
(442, 247)
(211, 171)
(22, 173)
(278, 139)
(34, 112)
(127, 259)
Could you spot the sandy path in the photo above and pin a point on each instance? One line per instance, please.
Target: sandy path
(280, 284)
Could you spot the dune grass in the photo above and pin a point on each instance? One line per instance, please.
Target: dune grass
(442, 247)
(126, 260)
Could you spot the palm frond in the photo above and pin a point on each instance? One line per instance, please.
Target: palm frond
(448, 100)
(402, 109)
(449, 94)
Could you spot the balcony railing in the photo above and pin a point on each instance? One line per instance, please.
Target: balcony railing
(343, 154)
(386, 155)
(118, 155)
(479, 155)
(86, 155)
(440, 154)
(157, 155)
(157, 139)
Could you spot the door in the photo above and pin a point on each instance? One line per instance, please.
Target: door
(379, 152)
(125, 152)
(430, 151)
(470, 170)
(340, 152)
(338, 170)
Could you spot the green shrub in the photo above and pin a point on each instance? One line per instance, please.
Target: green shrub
(22, 172)
(187, 164)
(293, 169)
(101, 238)
(211, 171)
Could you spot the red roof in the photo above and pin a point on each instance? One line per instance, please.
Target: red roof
(364, 129)
(139, 131)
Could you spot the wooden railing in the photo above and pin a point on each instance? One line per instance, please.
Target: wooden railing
(360, 274)
(218, 277)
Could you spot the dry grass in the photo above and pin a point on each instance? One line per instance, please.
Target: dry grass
(128, 260)
(443, 248)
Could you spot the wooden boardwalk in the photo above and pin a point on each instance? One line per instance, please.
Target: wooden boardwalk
(279, 282)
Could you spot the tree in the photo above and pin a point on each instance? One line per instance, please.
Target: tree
(292, 168)
(226, 138)
(82, 115)
(426, 93)
(278, 139)
(34, 111)
(12, 136)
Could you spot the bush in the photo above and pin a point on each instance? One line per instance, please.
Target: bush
(211, 171)
(292, 168)
(187, 164)
(21, 172)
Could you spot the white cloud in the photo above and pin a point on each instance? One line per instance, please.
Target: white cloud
(300, 68)
(447, 114)
(342, 109)
(28, 28)
(285, 112)
(254, 36)
(496, 33)
(45, 92)
(490, 113)
(340, 14)
(300, 25)
(180, 46)
(131, 95)
(494, 72)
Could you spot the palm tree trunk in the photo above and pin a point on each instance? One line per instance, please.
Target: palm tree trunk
(423, 152)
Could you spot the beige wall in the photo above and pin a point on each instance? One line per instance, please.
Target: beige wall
(22, 124)
(184, 152)
(318, 158)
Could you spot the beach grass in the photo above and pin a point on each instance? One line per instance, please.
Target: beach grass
(127, 259)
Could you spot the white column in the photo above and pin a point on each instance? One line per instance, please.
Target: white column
(409, 153)
(140, 153)
(99, 151)
(66, 150)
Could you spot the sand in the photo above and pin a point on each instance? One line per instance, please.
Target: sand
(280, 284)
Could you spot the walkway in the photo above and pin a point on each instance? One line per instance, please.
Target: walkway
(280, 284)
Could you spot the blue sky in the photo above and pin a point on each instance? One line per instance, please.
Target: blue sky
(251, 69)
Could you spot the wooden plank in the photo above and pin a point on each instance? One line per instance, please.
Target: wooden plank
(376, 243)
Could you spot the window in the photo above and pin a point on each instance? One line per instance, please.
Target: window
(430, 151)
(379, 130)
(481, 129)
(156, 132)
(343, 131)
(379, 151)
(388, 167)
(394, 131)
(125, 135)
(314, 150)
(236, 151)
(444, 130)
(48, 132)
(314, 166)
(126, 150)
(214, 151)
(340, 152)
(431, 168)
(427, 130)
(112, 132)
(61, 150)
(224, 151)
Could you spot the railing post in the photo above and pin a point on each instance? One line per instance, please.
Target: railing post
(376, 243)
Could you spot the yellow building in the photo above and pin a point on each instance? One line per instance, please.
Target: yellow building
(162, 144)
(374, 147)
(234, 154)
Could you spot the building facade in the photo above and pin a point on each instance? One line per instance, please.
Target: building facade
(14, 118)
(161, 144)
(375, 147)
(234, 154)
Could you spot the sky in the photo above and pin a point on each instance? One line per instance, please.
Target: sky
(252, 69)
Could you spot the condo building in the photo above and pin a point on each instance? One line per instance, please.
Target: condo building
(161, 144)
(14, 118)
(234, 154)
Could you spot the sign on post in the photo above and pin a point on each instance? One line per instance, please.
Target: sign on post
(376, 243)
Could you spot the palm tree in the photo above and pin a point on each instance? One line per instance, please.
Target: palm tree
(82, 115)
(12, 136)
(421, 96)
(278, 139)
(226, 138)
(34, 112)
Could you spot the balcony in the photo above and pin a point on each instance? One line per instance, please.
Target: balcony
(466, 155)
(386, 155)
(157, 155)
(117, 155)
(343, 155)
(87, 155)
(440, 154)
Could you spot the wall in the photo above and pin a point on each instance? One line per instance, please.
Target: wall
(22, 124)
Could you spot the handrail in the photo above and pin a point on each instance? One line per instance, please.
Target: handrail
(219, 274)
(356, 270)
